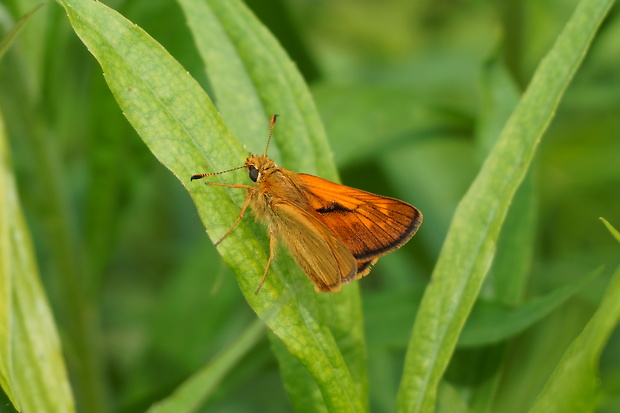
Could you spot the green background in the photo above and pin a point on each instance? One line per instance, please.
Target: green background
(412, 96)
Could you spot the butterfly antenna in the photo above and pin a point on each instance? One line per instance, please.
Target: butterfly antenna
(200, 176)
(272, 122)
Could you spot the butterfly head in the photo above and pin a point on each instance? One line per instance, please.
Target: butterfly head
(257, 165)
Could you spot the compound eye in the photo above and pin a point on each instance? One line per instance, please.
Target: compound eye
(253, 173)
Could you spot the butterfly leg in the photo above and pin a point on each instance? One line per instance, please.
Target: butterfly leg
(245, 206)
(272, 251)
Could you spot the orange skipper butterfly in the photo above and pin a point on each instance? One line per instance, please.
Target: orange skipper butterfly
(334, 232)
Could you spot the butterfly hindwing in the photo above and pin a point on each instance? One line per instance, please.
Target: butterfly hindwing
(317, 250)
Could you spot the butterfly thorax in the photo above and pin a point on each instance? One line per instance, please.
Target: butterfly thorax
(272, 185)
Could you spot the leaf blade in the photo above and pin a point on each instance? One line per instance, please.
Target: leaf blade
(496, 327)
(194, 391)
(574, 383)
(183, 129)
(32, 368)
(470, 245)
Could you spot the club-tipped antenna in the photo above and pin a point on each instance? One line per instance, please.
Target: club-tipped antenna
(200, 176)
(272, 122)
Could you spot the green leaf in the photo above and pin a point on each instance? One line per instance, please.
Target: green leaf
(7, 191)
(611, 229)
(9, 37)
(391, 116)
(510, 269)
(509, 273)
(574, 384)
(252, 77)
(470, 244)
(450, 400)
(302, 390)
(195, 390)
(32, 369)
(491, 325)
(184, 130)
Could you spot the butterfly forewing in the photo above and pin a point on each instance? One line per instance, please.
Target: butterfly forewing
(369, 225)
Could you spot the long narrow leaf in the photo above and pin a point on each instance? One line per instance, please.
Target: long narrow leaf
(194, 391)
(611, 229)
(510, 269)
(574, 385)
(470, 244)
(184, 130)
(7, 191)
(492, 327)
(508, 275)
(32, 368)
(11, 35)
(252, 77)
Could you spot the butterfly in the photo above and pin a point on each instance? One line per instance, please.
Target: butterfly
(334, 232)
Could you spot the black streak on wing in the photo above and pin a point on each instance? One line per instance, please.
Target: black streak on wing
(333, 207)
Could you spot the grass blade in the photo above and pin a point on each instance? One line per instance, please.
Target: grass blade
(573, 386)
(611, 229)
(183, 129)
(252, 77)
(8, 38)
(7, 191)
(493, 326)
(470, 244)
(194, 391)
(32, 368)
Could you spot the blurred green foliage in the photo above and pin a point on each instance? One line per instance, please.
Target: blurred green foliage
(403, 89)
